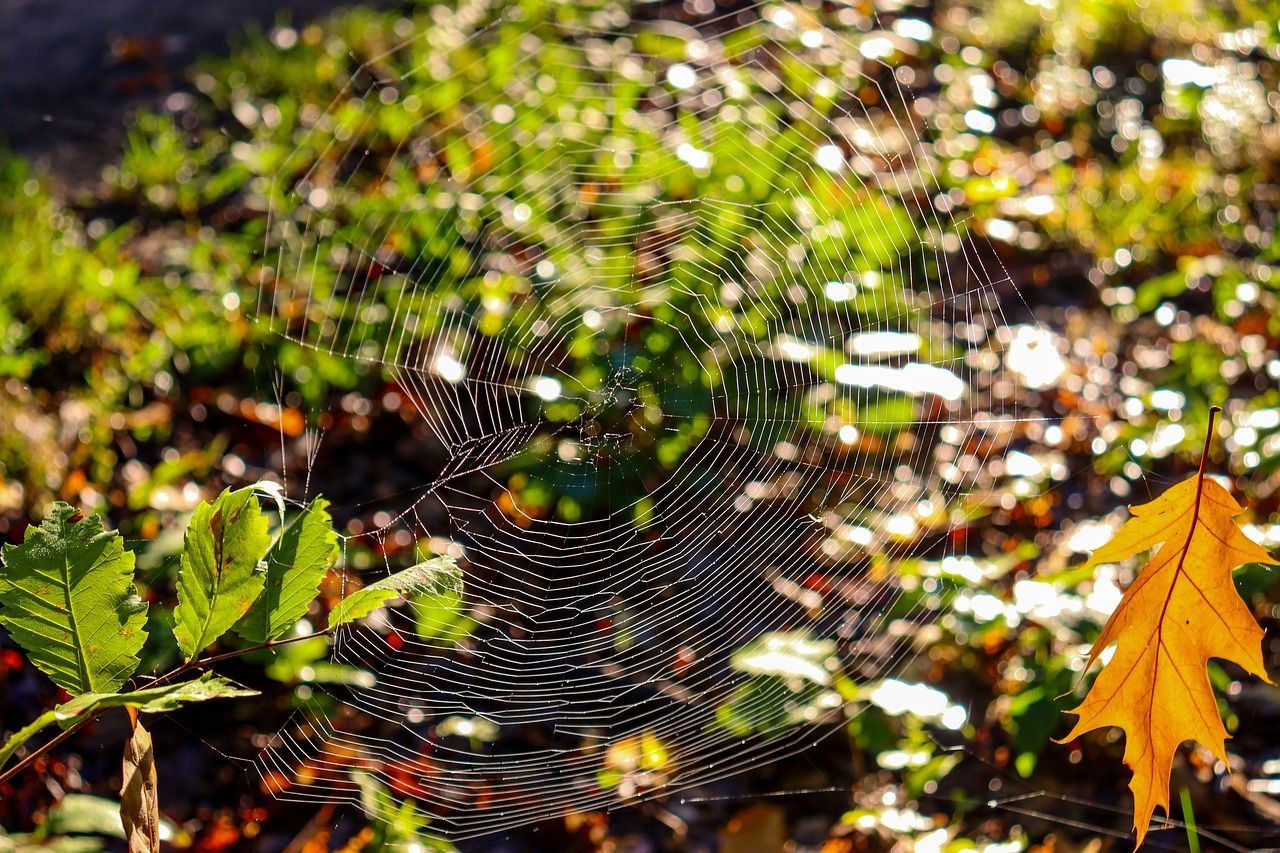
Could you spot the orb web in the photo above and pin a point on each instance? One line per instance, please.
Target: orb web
(691, 341)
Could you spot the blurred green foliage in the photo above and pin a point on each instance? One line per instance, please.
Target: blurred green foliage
(1120, 157)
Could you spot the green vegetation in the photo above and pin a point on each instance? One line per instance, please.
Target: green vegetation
(1119, 158)
(68, 598)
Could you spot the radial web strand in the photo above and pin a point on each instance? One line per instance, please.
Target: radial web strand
(679, 313)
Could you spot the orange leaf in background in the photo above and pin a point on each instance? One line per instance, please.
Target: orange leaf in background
(1180, 611)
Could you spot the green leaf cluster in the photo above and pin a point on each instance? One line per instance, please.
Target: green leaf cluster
(68, 598)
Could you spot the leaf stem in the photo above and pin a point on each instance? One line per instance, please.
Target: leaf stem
(271, 644)
(1208, 440)
(200, 663)
(1195, 513)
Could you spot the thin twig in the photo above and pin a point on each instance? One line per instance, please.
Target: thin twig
(201, 663)
(41, 750)
(189, 666)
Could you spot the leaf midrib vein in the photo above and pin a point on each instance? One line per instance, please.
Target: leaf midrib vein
(1177, 573)
(219, 566)
(82, 665)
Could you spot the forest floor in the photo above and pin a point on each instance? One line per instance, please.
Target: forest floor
(74, 72)
(71, 72)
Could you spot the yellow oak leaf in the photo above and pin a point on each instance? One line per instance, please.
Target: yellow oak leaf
(1180, 611)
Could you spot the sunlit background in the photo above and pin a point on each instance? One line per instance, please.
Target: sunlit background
(1112, 164)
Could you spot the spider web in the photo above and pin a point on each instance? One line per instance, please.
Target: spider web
(694, 343)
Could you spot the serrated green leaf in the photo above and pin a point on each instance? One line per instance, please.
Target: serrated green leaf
(149, 700)
(433, 576)
(154, 700)
(68, 599)
(220, 577)
(296, 564)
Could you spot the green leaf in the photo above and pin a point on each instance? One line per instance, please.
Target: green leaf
(38, 842)
(154, 700)
(441, 616)
(149, 700)
(396, 825)
(788, 655)
(307, 661)
(68, 599)
(220, 576)
(80, 814)
(296, 564)
(433, 576)
(85, 814)
(24, 734)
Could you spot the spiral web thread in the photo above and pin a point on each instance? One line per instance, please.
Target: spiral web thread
(610, 634)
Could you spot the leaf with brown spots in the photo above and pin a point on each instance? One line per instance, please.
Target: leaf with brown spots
(222, 572)
(67, 597)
